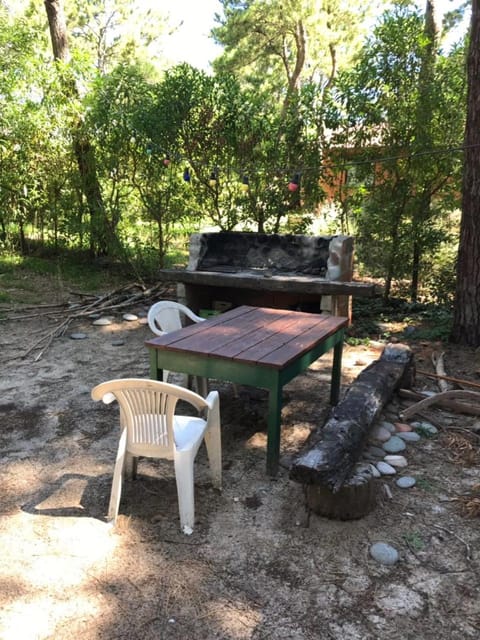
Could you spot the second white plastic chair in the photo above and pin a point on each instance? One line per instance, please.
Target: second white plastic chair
(166, 316)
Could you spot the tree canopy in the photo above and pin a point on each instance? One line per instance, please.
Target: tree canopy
(306, 116)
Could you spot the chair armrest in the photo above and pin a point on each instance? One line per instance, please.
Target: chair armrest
(213, 410)
(212, 400)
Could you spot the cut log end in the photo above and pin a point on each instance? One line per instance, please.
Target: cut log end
(352, 501)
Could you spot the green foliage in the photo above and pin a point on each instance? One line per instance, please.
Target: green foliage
(380, 318)
(73, 269)
(269, 45)
(415, 541)
(423, 483)
(110, 33)
(355, 342)
(405, 182)
(439, 279)
(266, 115)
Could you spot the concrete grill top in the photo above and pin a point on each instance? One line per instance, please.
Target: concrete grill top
(232, 251)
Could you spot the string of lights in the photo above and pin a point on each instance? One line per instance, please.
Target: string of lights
(294, 182)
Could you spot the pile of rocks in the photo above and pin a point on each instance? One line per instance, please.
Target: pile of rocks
(385, 454)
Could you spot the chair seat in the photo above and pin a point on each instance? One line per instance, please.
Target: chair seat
(187, 431)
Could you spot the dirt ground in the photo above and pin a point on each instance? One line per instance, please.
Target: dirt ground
(258, 566)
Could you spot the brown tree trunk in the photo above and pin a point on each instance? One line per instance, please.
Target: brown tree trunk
(294, 76)
(466, 320)
(424, 139)
(83, 149)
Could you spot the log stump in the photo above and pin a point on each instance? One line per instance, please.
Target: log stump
(326, 465)
(356, 498)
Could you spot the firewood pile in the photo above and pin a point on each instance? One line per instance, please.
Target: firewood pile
(84, 305)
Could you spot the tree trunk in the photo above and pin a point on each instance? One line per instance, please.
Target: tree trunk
(294, 76)
(466, 320)
(83, 149)
(424, 139)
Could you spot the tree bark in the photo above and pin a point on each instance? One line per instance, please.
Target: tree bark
(83, 149)
(58, 30)
(466, 320)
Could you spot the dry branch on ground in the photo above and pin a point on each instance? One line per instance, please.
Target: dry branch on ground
(86, 306)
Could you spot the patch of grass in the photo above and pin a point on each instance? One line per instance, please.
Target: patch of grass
(425, 485)
(355, 342)
(75, 271)
(424, 431)
(414, 541)
(438, 329)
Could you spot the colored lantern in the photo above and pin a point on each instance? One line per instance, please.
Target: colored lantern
(213, 178)
(245, 183)
(294, 183)
(186, 174)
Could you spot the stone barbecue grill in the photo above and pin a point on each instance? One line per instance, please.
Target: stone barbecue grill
(308, 273)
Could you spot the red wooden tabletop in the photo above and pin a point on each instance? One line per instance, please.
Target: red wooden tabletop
(270, 337)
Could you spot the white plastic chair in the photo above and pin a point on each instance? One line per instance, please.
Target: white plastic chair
(151, 428)
(166, 316)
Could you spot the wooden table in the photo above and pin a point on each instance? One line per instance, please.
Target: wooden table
(254, 346)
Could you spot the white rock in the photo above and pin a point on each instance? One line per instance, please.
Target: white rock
(375, 472)
(384, 553)
(102, 322)
(396, 461)
(380, 434)
(394, 445)
(425, 427)
(388, 426)
(385, 468)
(405, 482)
(409, 436)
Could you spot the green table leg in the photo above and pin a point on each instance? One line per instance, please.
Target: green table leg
(155, 372)
(336, 371)
(273, 429)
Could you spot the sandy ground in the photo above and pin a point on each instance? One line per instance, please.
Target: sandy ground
(257, 566)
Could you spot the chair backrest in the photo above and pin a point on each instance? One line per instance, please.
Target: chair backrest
(147, 409)
(166, 316)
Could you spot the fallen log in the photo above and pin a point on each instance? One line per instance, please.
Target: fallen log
(327, 460)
